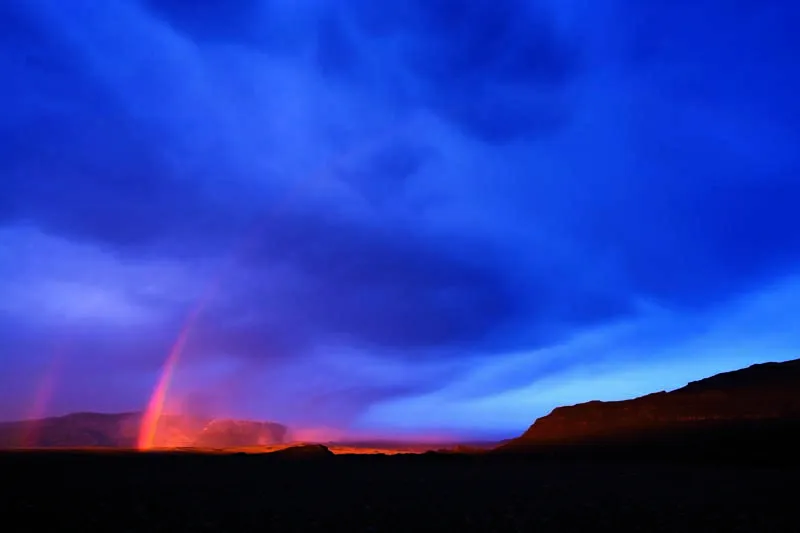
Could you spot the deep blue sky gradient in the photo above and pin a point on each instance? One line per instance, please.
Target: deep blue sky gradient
(418, 215)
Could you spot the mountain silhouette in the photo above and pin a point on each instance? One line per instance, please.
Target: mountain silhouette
(755, 410)
(121, 431)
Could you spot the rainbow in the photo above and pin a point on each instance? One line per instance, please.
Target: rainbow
(43, 395)
(155, 407)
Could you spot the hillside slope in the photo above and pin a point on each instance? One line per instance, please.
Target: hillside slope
(121, 431)
(752, 405)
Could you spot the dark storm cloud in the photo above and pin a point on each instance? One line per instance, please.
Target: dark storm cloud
(94, 176)
(707, 206)
(657, 166)
(241, 21)
(690, 245)
(492, 67)
(658, 25)
(495, 68)
(396, 165)
(101, 172)
(83, 164)
(96, 172)
(337, 50)
(384, 286)
(77, 162)
(712, 53)
(480, 42)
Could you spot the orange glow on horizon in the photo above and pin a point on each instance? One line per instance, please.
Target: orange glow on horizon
(328, 435)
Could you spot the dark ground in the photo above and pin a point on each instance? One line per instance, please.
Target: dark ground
(113, 492)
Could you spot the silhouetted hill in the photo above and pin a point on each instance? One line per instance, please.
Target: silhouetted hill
(303, 451)
(757, 407)
(121, 431)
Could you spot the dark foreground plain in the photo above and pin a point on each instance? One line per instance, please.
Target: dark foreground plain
(119, 492)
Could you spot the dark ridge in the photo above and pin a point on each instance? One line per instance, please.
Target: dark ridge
(760, 375)
(303, 451)
(747, 414)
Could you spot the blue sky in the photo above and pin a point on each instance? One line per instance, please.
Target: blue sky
(405, 216)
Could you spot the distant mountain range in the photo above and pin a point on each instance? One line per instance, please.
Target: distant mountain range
(756, 407)
(751, 411)
(121, 431)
